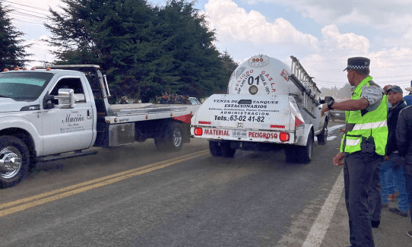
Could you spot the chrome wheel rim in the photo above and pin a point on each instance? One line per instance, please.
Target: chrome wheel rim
(12, 162)
(177, 137)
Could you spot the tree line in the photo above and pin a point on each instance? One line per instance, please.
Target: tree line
(344, 92)
(12, 51)
(145, 50)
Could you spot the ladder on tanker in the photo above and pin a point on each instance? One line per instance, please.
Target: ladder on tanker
(307, 86)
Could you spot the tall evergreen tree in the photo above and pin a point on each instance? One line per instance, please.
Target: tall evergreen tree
(12, 52)
(229, 65)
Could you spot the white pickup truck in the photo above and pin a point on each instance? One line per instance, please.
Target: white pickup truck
(269, 105)
(62, 111)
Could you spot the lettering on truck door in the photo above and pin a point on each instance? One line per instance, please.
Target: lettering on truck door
(68, 129)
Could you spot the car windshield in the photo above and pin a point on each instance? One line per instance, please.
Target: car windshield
(23, 85)
(194, 101)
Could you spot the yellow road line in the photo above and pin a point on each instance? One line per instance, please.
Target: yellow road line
(96, 183)
(36, 197)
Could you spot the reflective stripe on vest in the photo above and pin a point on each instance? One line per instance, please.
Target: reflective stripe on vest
(370, 125)
(352, 142)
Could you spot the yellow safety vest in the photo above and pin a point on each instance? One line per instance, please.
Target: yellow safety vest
(366, 124)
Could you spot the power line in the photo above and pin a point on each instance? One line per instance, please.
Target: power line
(28, 21)
(28, 6)
(16, 12)
(31, 11)
(23, 18)
(24, 11)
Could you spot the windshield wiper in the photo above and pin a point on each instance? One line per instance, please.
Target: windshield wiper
(4, 96)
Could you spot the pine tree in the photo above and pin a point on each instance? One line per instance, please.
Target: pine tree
(12, 52)
(190, 62)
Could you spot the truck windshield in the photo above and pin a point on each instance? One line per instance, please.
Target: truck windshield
(25, 86)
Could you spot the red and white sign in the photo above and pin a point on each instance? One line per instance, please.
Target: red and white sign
(263, 135)
(216, 132)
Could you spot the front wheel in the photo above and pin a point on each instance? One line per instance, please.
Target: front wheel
(14, 161)
(172, 138)
(322, 137)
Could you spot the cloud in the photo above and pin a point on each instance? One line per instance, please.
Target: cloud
(40, 51)
(333, 39)
(392, 15)
(233, 23)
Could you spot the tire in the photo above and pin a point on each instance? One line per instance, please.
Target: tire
(227, 151)
(322, 137)
(171, 139)
(215, 148)
(15, 150)
(304, 154)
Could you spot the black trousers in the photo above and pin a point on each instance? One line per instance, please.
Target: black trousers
(359, 172)
(375, 195)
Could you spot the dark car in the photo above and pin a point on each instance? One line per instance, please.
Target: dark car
(336, 114)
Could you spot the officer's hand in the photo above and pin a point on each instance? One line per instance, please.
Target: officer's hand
(342, 130)
(386, 157)
(325, 108)
(338, 159)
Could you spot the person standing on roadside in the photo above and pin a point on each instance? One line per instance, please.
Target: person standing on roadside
(404, 143)
(362, 148)
(408, 98)
(393, 161)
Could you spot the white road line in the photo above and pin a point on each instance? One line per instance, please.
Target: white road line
(335, 127)
(321, 225)
(330, 138)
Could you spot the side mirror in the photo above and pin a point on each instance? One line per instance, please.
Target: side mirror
(47, 102)
(65, 98)
(326, 100)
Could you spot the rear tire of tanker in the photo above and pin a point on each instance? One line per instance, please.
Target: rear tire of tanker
(215, 148)
(14, 151)
(227, 151)
(304, 154)
(322, 137)
(300, 154)
(171, 140)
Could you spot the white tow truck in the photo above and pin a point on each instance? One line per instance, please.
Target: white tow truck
(268, 106)
(62, 111)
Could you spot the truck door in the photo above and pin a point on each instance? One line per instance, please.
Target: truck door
(68, 129)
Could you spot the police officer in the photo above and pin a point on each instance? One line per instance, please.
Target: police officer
(362, 148)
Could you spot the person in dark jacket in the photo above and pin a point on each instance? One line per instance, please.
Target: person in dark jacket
(404, 144)
(393, 161)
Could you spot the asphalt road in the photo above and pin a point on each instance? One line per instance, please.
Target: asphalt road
(137, 196)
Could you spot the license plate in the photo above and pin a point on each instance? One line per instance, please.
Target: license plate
(337, 114)
(239, 133)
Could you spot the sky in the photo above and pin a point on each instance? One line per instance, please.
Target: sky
(322, 34)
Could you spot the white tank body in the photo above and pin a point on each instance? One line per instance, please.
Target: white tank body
(262, 75)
